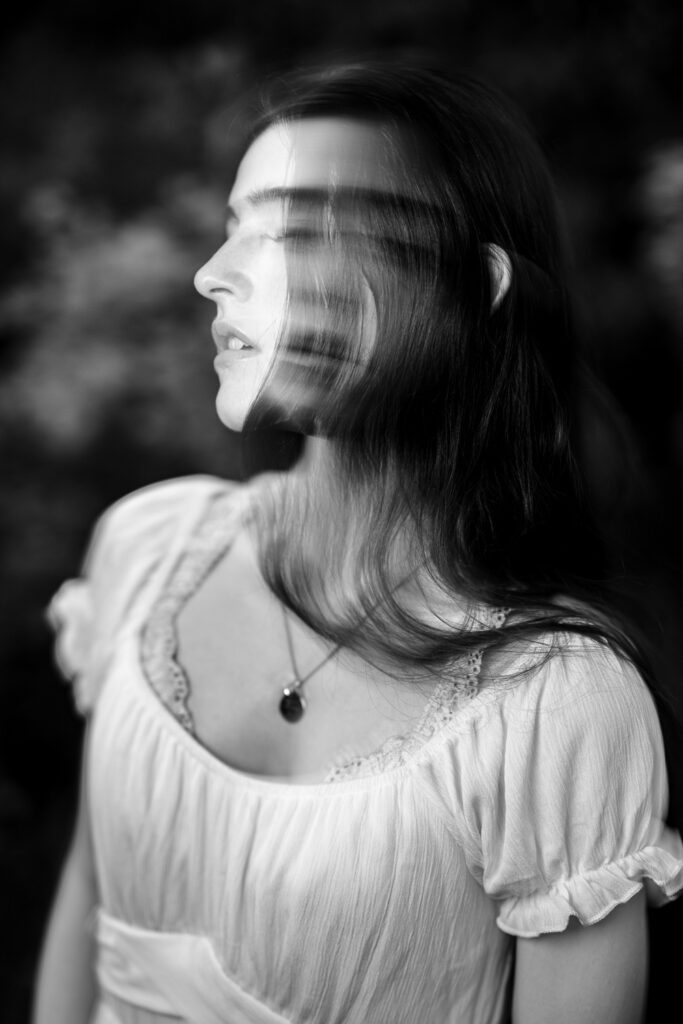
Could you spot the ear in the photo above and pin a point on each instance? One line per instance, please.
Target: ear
(500, 269)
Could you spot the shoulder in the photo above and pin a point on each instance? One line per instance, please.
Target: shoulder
(571, 705)
(542, 702)
(130, 539)
(158, 505)
(560, 788)
(563, 728)
(560, 675)
(146, 519)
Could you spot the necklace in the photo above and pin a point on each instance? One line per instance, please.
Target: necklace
(292, 701)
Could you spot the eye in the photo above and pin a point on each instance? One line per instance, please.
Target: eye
(294, 234)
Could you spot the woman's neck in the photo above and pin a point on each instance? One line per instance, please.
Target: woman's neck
(319, 472)
(316, 460)
(338, 548)
(338, 514)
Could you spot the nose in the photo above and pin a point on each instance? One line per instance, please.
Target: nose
(219, 276)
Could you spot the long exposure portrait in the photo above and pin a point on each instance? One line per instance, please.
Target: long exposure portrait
(341, 428)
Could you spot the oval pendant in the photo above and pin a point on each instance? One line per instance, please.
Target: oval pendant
(292, 705)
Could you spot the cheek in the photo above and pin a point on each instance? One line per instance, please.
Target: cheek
(264, 313)
(270, 274)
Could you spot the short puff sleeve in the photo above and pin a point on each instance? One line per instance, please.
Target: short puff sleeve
(563, 791)
(127, 544)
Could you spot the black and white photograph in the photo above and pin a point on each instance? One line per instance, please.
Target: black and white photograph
(341, 559)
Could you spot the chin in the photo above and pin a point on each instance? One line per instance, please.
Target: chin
(230, 413)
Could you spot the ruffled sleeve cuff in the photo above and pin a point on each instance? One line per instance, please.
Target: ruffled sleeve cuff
(71, 614)
(591, 896)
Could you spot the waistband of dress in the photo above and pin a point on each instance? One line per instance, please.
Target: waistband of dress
(173, 973)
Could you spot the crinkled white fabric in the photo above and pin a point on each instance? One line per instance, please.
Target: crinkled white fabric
(176, 974)
(390, 898)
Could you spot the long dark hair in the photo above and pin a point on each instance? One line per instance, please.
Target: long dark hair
(461, 428)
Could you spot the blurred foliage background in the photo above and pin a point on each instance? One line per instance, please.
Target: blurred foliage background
(121, 128)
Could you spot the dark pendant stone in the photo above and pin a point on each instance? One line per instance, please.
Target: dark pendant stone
(292, 705)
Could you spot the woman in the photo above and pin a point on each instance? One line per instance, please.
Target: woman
(367, 743)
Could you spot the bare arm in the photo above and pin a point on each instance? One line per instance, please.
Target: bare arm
(65, 989)
(591, 975)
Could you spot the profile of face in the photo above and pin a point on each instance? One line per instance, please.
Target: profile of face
(280, 189)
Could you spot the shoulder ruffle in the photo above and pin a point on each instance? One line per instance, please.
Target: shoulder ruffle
(71, 616)
(592, 895)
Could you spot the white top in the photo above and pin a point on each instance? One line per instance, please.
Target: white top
(387, 897)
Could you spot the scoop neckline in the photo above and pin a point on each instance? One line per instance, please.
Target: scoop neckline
(196, 749)
(276, 786)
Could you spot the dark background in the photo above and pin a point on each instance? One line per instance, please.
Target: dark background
(121, 127)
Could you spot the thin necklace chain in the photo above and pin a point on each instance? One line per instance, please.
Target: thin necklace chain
(292, 701)
(298, 681)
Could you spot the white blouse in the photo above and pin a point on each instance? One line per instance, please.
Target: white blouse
(386, 895)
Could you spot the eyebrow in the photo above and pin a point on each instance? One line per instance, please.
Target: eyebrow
(264, 196)
(314, 196)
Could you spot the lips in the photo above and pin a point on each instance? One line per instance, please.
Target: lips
(229, 339)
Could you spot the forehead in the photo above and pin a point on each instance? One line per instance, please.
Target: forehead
(317, 153)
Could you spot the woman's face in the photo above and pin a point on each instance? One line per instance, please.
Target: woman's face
(247, 276)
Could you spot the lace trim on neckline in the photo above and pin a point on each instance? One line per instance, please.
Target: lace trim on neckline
(441, 708)
(159, 642)
(168, 679)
